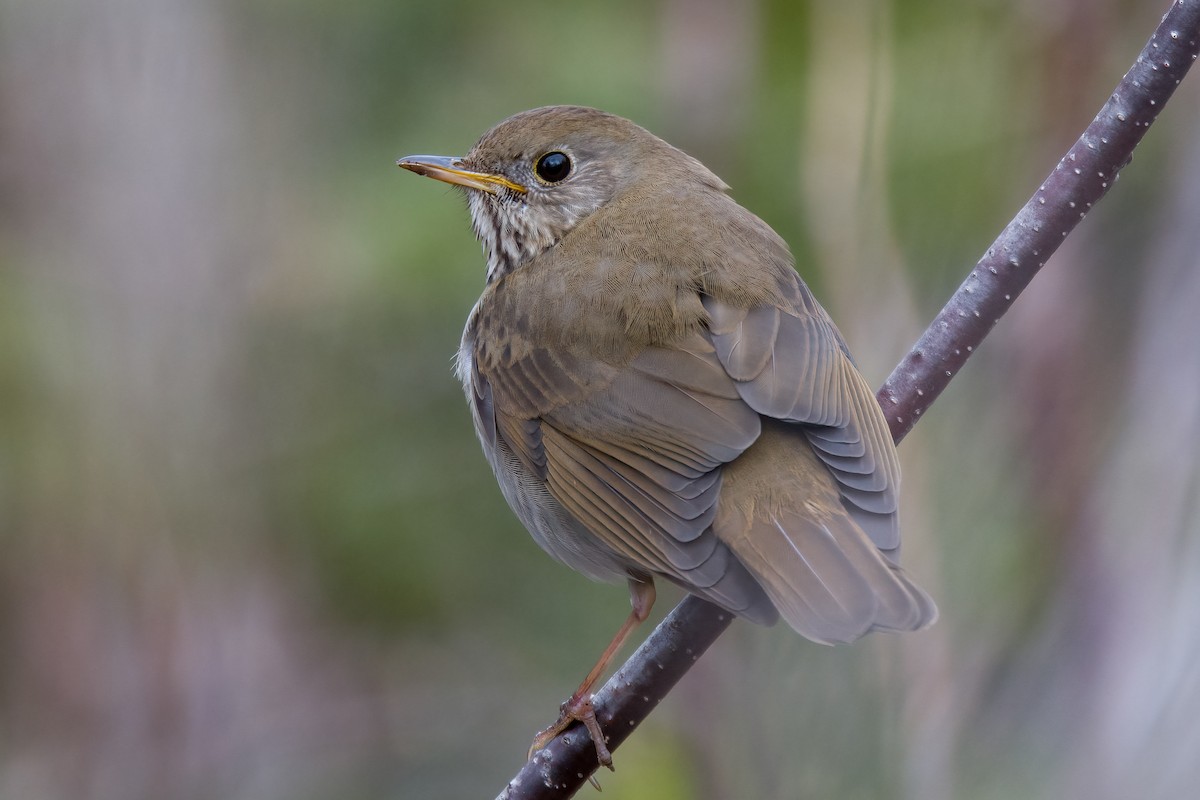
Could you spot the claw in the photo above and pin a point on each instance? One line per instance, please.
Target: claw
(579, 707)
(576, 709)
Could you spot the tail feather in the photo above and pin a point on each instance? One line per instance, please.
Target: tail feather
(781, 515)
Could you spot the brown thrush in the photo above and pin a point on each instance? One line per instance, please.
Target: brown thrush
(659, 394)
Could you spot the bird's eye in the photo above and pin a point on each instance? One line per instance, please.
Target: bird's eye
(553, 167)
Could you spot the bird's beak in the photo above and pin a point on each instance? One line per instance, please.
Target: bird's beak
(450, 170)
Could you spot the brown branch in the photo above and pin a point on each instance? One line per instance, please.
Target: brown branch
(1082, 177)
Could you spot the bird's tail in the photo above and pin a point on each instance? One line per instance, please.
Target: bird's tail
(781, 515)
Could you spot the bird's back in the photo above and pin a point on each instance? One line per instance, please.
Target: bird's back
(567, 327)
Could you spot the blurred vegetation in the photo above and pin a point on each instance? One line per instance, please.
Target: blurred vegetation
(252, 549)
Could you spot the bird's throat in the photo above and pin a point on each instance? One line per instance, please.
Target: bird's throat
(510, 235)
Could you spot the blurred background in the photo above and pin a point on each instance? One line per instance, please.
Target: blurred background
(251, 549)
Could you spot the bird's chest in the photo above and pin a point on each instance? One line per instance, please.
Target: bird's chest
(604, 307)
(526, 365)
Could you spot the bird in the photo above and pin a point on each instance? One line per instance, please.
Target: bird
(659, 394)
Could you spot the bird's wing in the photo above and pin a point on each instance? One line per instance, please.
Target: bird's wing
(789, 362)
(632, 453)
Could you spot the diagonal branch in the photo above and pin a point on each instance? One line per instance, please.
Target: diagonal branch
(1082, 177)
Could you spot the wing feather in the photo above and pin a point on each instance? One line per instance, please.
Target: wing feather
(807, 377)
(639, 452)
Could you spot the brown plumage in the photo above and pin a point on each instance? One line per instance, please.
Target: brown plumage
(660, 395)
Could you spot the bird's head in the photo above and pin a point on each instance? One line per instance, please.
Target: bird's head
(537, 175)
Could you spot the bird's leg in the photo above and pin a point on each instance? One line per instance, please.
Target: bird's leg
(578, 707)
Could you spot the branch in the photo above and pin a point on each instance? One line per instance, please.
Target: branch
(1082, 177)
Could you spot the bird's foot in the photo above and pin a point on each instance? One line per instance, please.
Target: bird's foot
(577, 708)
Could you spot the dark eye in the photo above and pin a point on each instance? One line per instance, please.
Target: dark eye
(553, 167)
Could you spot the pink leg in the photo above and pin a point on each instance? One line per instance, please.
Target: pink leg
(578, 707)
